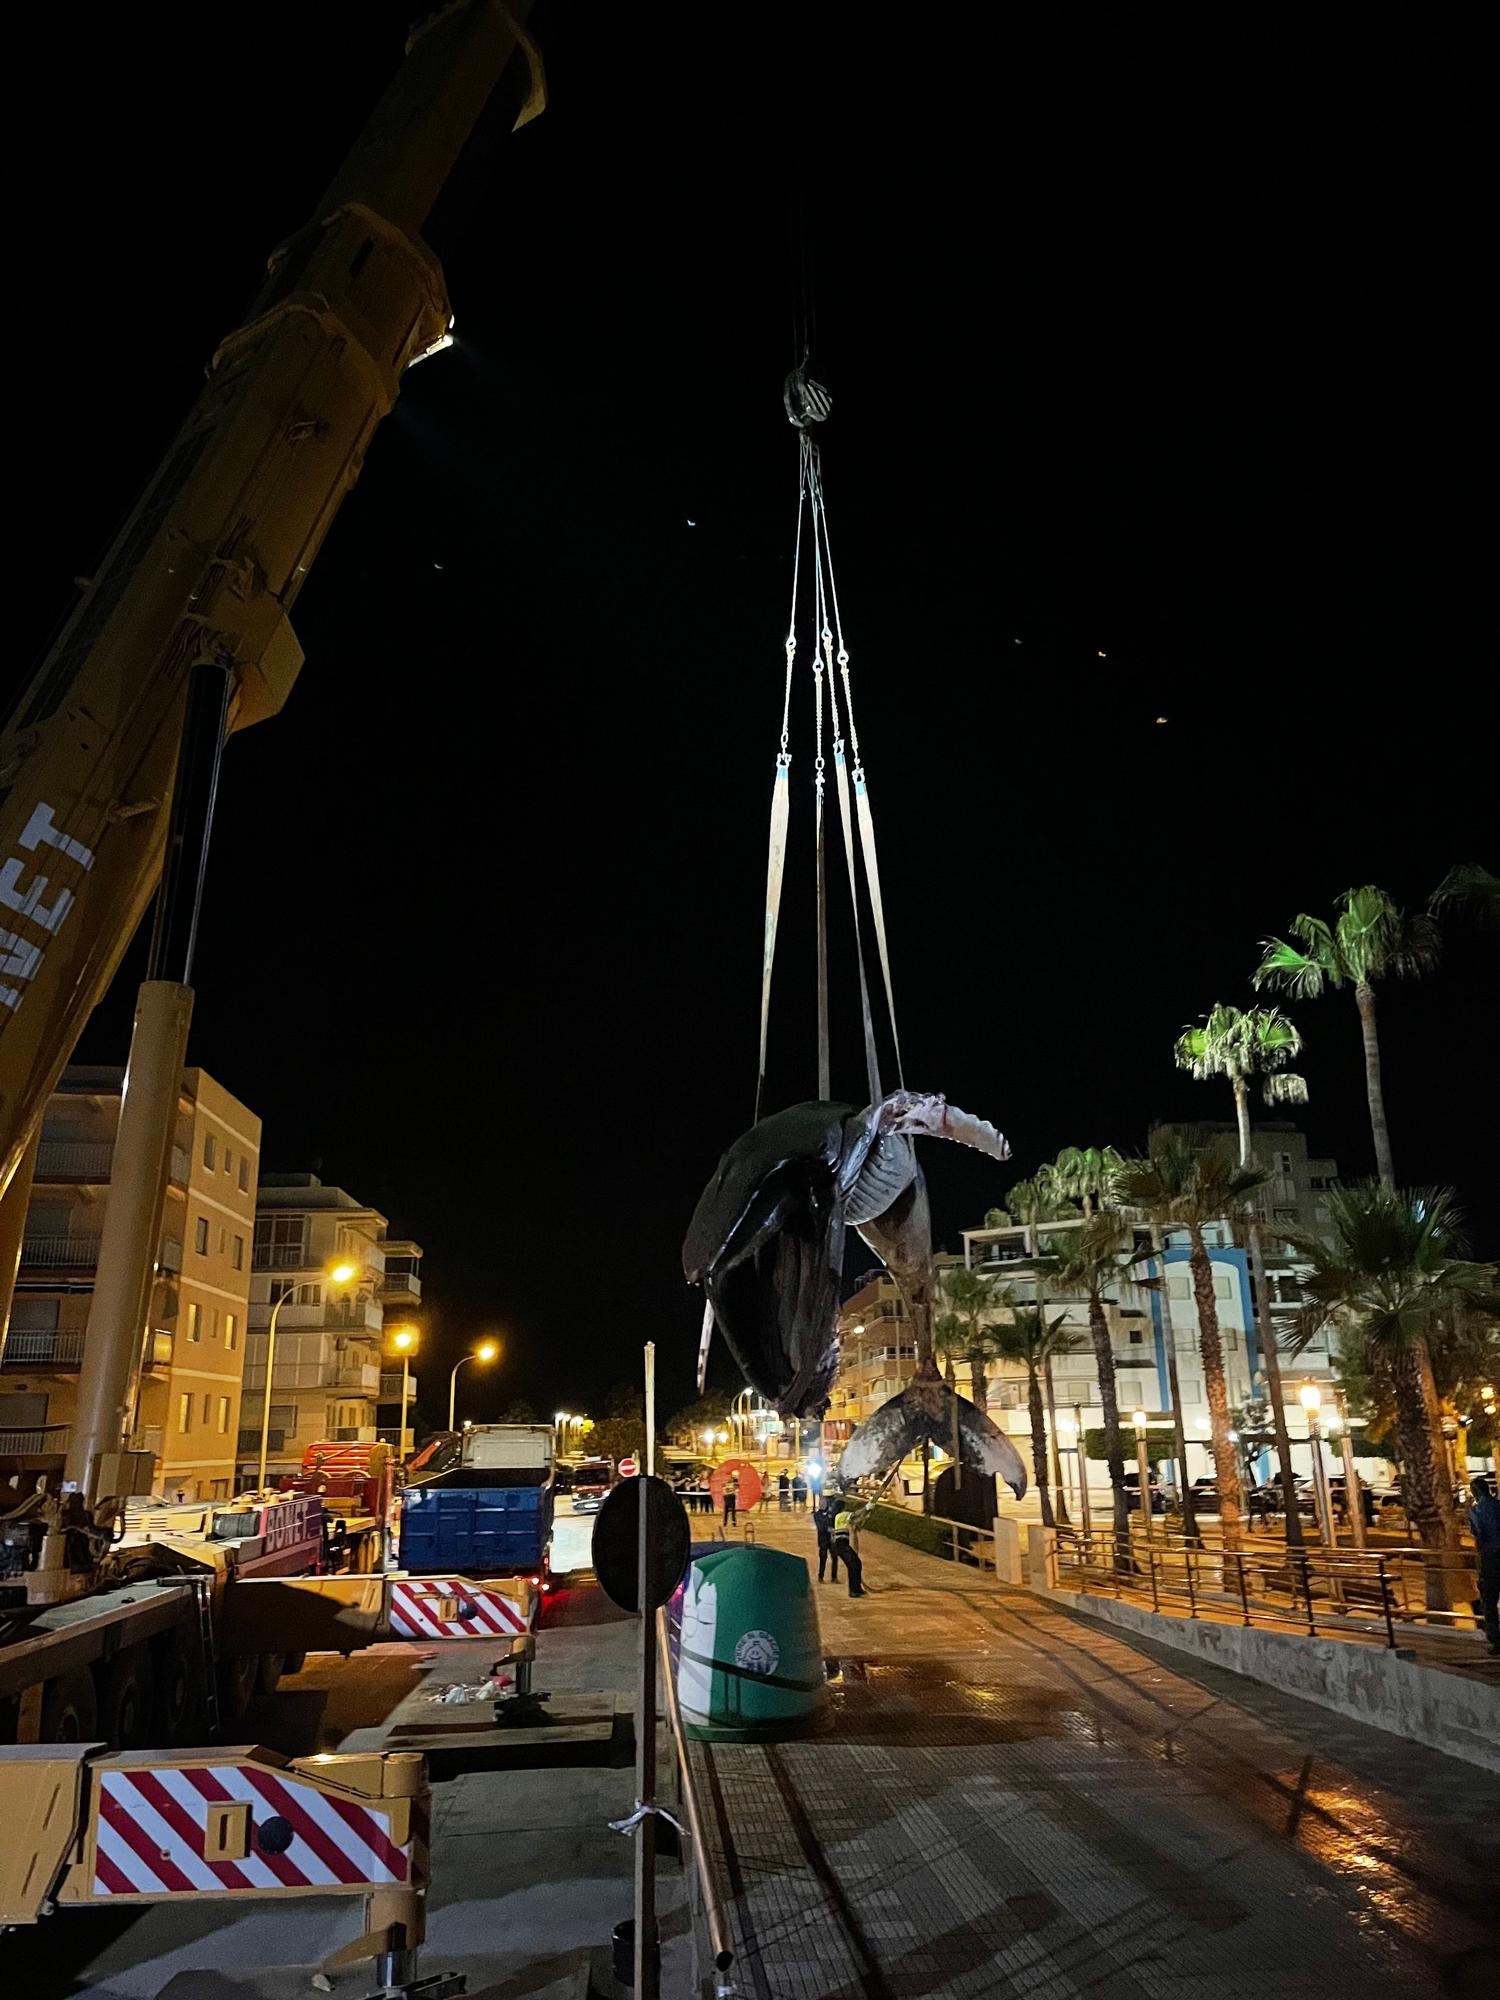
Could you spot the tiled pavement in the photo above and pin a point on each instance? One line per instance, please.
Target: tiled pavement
(1010, 1800)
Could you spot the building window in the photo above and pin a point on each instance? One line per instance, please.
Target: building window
(1136, 1336)
(213, 1322)
(244, 1175)
(184, 1413)
(280, 1242)
(1285, 1214)
(208, 1403)
(200, 1236)
(1221, 1286)
(208, 1149)
(230, 1331)
(239, 1253)
(223, 1424)
(228, 1159)
(223, 1239)
(194, 1319)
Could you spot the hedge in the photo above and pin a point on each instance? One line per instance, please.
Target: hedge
(918, 1531)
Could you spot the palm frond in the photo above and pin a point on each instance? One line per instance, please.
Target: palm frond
(1471, 887)
(1284, 1087)
(1300, 973)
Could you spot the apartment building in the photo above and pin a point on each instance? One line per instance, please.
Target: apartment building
(1138, 1317)
(331, 1347)
(877, 1358)
(400, 1297)
(187, 1411)
(1296, 1195)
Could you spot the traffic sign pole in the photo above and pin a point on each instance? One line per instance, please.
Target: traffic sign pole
(647, 1963)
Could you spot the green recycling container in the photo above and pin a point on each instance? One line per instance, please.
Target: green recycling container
(749, 1658)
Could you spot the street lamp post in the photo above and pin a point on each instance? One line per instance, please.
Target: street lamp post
(1311, 1398)
(337, 1275)
(404, 1340)
(485, 1351)
(1083, 1475)
(1142, 1470)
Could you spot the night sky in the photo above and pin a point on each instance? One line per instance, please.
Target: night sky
(1156, 336)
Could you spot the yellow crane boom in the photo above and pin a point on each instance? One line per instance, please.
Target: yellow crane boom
(208, 565)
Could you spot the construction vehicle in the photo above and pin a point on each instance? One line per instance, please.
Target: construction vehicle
(490, 1513)
(357, 1486)
(592, 1479)
(88, 1830)
(109, 768)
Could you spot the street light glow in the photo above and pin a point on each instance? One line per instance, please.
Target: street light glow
(486, 1350)
(342, 1274)
(404, 1339)
(1310, 1396)
(1138, 1418)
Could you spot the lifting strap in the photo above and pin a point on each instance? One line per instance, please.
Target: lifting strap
(850, 783)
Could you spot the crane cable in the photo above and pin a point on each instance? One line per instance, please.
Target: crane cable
(807, 403)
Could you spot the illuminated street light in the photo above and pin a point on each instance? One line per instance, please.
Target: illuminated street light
(487, 1350)
(404, 1339)
(1310, 1396)
(336, 1276)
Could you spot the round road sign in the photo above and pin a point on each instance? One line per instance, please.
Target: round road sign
(617, 1542)
(628, 1468)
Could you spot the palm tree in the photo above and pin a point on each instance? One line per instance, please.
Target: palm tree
(1178, 1187)
(1244, 1044)
(1088, 1262)
(1392, 1266)
(1370, 940)
(1241, 1044)
(971, 1297)
(1032, 1339)
(1469, 887)
(1082, 1174)
(1033, 1203)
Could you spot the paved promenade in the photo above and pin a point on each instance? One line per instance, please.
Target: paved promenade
(1011, 1800)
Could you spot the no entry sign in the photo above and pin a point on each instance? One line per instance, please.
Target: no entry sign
(628, 1468)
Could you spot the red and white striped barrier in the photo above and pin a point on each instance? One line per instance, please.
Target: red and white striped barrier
(152, 1834)
(451, 1607)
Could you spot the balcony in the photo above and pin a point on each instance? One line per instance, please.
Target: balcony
(354, 1379)
(33, 1347)
(354, 1434)
(360, 1316)
(159, 1352)
(149, 1439)
(390, 1388)
(401, 1288)
(59, 1253)
(87, 1161)
(181, 1166)
(37, 1441)
(169, 1256)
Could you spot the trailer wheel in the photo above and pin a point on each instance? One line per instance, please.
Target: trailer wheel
(125, 1705)
(70, 1709)
(268, 1671)
(176, 1702)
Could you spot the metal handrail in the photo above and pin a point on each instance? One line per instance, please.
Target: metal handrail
(1254, 1581)
(713, 1916)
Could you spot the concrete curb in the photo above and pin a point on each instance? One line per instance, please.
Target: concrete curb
(1371, 1684)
